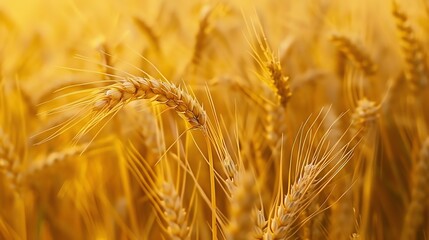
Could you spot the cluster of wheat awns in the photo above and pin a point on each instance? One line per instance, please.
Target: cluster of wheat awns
(233, 120)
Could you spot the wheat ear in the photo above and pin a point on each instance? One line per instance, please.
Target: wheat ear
(287, 213)
(416, 70)
(355, 54)
(174, 213)
(160, 91)
(419, 195)
(314, 172)
(271, 69)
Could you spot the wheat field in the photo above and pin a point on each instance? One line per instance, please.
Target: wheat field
(214, 119)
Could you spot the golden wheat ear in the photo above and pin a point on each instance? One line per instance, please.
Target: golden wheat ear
(318, 162)
(270, 68)
(98, 106)
(356, 54)
(416, 69)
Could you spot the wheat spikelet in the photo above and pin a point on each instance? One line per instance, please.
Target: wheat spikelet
(355, 54)
(243, 199)
(419, 195)
(416, 71)
(174, 213)
(260, 226)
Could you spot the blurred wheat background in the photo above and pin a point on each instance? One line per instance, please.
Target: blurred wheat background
(214, 119)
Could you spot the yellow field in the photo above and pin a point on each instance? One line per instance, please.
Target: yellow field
(214, 119)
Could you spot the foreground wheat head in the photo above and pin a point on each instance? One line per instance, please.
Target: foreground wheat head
(214, 120)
